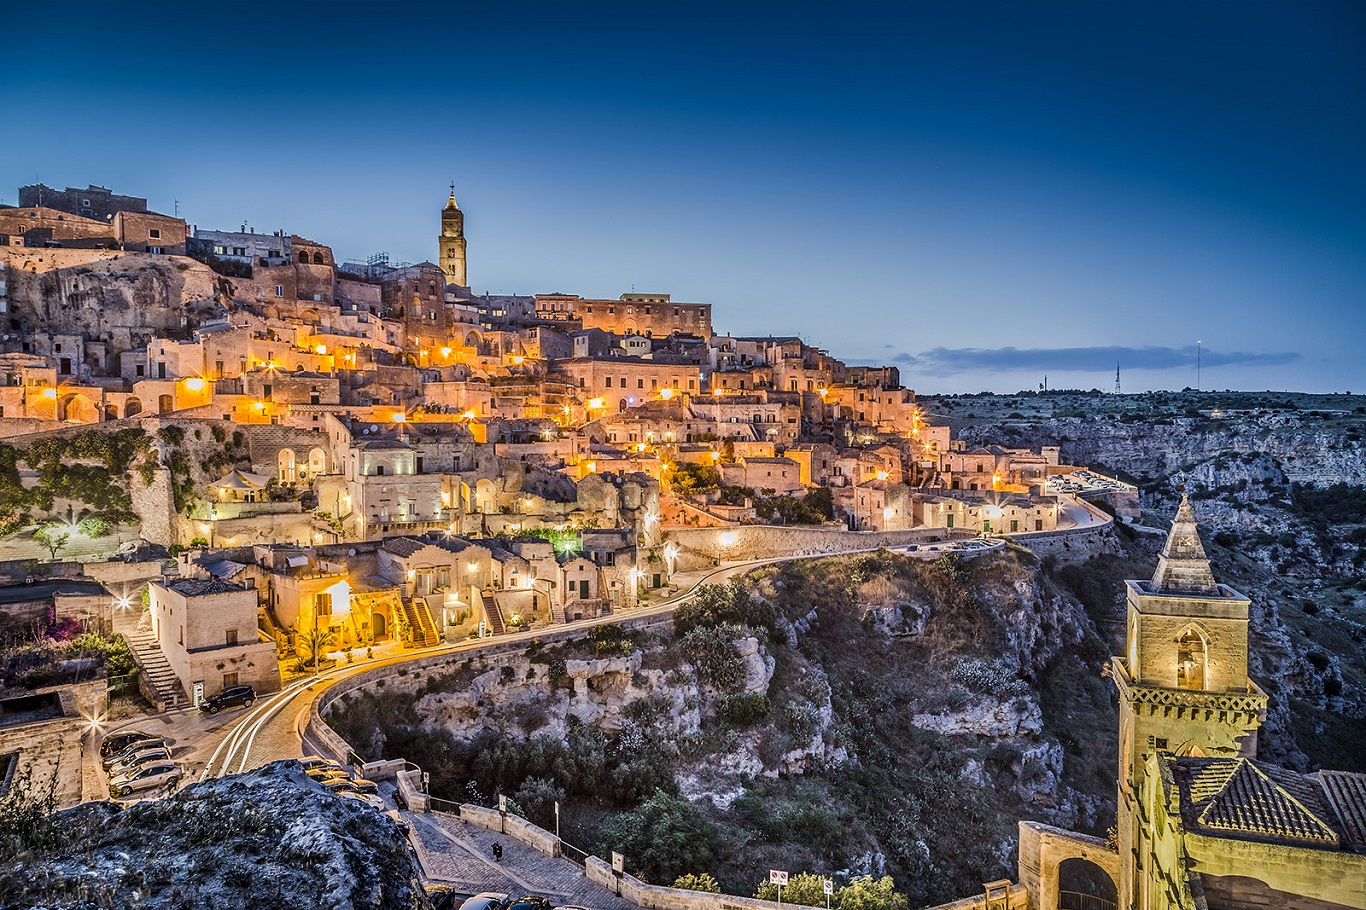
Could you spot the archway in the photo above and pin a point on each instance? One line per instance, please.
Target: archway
(318, 259)
(132, 406)
(1083, 885)
(317, 462)
(111, 412)
(78, 409)
(1190, 660)
(379, 625)
(165, 404)
(286, 463)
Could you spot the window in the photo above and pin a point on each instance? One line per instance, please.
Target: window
(154, 233)
(141, 370)
(279, 290)
(1038, 524)
(609, 382)
(231, 637)
(379, 470)
(640, 383)
(85, 203)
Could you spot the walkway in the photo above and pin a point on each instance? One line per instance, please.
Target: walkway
(452, 851)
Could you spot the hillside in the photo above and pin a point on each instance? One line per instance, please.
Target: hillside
(865, 714)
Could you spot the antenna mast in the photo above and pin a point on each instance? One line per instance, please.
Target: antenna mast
(1117, 377)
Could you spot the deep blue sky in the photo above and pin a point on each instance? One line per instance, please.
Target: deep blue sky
(981, 192)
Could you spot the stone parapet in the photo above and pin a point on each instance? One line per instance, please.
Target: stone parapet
(1232, 707)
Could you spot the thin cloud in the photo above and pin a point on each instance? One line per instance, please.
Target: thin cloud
(947, 361)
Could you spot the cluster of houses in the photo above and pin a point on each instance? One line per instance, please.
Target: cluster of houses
(419, 461)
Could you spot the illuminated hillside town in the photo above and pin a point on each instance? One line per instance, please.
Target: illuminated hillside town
(278, 476)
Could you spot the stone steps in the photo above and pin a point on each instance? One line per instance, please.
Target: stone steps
(166, 690)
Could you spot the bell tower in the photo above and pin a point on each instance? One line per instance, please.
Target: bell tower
(452, 242)
(1183, 684)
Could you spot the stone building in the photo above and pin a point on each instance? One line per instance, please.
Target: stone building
(1201, 823)
(207, 630)
(652, 315)
(96, 202)
(148, 232)
(244, 246)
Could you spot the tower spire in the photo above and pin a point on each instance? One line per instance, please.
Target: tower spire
(1183, 567)
(450, 204)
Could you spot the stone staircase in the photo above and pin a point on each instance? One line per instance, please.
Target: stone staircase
(495, 615)
(157, 680)
(420, 624)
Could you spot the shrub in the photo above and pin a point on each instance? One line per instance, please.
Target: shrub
(664, 837)
(744, 710)
(703, 882)
(711, 651)
(715, 605)
(804, 888)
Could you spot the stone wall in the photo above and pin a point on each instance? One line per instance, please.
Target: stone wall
(766, 542)
(155, 505)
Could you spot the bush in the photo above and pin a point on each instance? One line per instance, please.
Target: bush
(703, 882)
(867, 893)
(804, 888)
(712, 652)
(744, 710)
(729, 604)
(662, 839)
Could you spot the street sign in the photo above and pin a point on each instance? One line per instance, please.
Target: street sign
(482, 627)
(777, 877)
(502, 804)
(618, 863)
(426, 780)
(198, 693)
(829, 886)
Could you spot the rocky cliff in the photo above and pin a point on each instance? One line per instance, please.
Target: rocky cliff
(271, 838)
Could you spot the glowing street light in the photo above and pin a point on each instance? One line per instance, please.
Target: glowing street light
(594, 404)
(321, 349)
(445, 352)
(194, 384)
(666, 394)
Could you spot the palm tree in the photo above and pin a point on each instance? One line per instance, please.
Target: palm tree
(316, 640)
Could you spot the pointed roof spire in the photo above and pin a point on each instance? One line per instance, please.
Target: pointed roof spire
(1183, 567)
(450, 204)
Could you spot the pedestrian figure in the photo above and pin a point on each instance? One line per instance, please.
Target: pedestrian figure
(498, 851)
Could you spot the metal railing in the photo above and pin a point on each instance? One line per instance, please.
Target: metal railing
(1075, 900)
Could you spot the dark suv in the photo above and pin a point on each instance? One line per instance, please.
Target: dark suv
(237, 695)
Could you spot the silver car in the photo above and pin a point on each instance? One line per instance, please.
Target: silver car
(147, 777)
(137, 760)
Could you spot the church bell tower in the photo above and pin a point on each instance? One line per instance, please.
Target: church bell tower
(452, 242)
(1183, 683)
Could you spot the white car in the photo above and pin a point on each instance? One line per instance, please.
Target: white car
(137, 760)
(147, 777)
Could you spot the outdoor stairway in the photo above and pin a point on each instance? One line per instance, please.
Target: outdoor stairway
(495, 615)
(420, 623)
(164, 686)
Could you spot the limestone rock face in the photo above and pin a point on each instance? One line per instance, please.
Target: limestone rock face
(990, 717)
(758, 666)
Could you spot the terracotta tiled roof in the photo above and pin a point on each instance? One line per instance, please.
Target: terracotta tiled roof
(1239, 797)
(1347, 792)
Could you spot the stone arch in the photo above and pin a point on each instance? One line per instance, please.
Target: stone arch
(165, 404)
(111, 412)
(379, 625)
(77, 409)
(465, 498)
(1192, 658)
(1046, 853)
(1085, 885)
(287, 463)
(472, 340)
(621, 405)
(485, 496)
(132, 406)
(318, 258)
(317, 462)
(303, 257)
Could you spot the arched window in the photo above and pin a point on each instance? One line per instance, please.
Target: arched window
(318, 259)
(303, 257)
(1190, 660)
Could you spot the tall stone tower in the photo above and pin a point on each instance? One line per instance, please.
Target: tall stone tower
(452, 242)
(1183, 684)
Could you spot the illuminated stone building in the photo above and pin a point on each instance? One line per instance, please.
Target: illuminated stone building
(452, 243)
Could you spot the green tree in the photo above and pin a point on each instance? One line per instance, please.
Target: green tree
(316, 642)
(867, 893)
(806, 888)
(538, 796)
(53, 538)
(663, 838)
(703, 882)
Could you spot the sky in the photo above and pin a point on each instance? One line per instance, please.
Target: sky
(981, 193)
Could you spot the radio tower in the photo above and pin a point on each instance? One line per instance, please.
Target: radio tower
(1116, 377)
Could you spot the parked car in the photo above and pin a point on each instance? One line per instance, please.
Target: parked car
(347, 785)
(115, 743)
(311, 762)
(444, 896)
(373, 802)
(137, 760)
(140, 745)
(530, 902)
(485, 900)
(324, 774)
(145, 777)
(229, 698)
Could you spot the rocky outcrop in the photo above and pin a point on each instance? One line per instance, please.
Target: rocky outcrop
(271, 838)
(989, 718)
